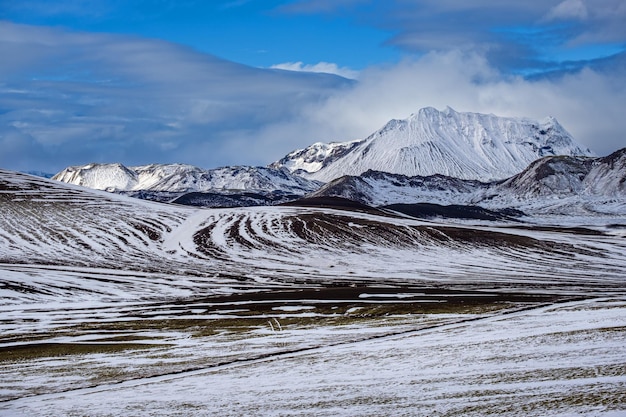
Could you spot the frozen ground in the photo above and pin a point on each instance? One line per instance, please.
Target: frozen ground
(563, 359)
(114, 307)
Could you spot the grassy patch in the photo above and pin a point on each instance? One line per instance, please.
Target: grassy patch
(47, 350)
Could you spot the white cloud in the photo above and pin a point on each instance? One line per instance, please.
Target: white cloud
(324, 67)
(568, 9)
(589, 103)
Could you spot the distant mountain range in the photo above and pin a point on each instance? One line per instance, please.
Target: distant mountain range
(461, 145)
(228, 186)
(41, 174)
(434, 157)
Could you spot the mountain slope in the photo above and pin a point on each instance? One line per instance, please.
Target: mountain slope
(550, 185)
(565, 185)
(608, 175)
(45, 222)
(462, 145)
(377, 188)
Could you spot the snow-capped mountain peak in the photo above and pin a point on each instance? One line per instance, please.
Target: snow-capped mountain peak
(463, 145)
(314, 157)
(100, 176)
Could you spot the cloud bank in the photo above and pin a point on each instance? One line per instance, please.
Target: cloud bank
(589, 103)
(69, 97)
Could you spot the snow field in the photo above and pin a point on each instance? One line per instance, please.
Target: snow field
(553, 361)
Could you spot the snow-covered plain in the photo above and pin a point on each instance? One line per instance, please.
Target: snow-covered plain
(113, 306)
(560, 360)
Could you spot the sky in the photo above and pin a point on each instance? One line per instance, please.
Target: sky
(244, 82)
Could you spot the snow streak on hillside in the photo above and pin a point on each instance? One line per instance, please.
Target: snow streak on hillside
(561, 360)
(462, 145)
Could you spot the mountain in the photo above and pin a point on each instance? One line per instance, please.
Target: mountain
(462, 145)
(174, 180)
(565, 185)
(477, 159)
(550, 185)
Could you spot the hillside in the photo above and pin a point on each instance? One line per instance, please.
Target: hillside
(154, 249)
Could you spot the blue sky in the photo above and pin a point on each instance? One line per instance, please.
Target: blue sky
(215, 83)
(254, 32)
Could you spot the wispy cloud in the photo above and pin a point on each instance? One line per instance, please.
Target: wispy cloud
(512, 34)
(321, 6)
(568, 10)
(233, 4)
(324, 67)
(80, 8)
